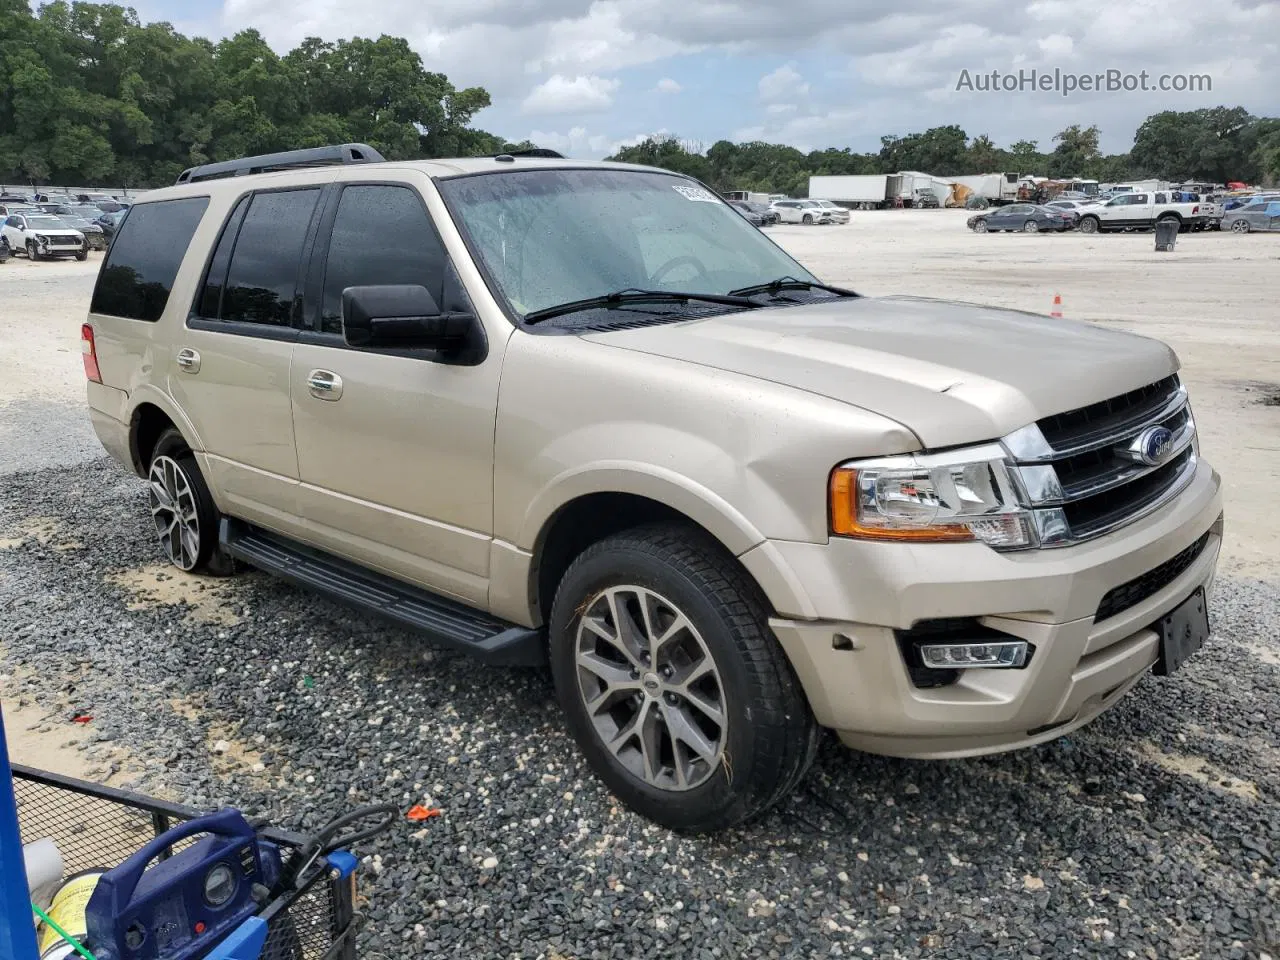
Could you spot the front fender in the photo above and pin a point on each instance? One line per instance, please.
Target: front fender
(703, 506)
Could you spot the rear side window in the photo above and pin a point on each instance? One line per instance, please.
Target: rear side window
(144, 258)
(262, 280)
(381, 235)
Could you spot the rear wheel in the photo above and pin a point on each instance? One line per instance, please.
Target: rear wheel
(1031, 227)
(182, 509)
(672, 683)
(1239, 226)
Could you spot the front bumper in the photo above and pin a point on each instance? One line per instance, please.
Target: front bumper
(848, 659)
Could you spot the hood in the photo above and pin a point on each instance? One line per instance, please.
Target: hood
(951, 372)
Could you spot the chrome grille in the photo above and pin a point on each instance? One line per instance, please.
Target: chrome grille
(1087, 471)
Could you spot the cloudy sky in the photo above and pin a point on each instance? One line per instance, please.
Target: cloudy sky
(586, 75)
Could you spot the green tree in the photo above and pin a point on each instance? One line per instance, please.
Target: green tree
(1076, 153)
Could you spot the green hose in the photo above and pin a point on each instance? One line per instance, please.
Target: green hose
(44, 917)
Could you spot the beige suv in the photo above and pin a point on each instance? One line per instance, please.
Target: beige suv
(584, 412)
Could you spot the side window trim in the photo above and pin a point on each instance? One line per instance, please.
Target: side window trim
(312, 334)
(196, 321)
(195, 313)
(324, 236)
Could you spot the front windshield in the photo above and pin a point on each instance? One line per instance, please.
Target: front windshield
(549, 237)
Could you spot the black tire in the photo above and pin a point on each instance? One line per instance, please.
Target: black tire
(207, 556)
(83, 255)
(1089, 225)
(980, 227)
(807, 220)
(32, 253)
(771, 735)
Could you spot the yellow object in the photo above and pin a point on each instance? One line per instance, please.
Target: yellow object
(67, 910)
(959, 195)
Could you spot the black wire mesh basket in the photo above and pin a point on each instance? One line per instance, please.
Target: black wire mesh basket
(97, 828)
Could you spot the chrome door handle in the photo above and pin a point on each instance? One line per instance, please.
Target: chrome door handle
(324, 384)
(188, 360)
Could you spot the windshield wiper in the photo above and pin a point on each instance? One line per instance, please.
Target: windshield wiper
(635, 295)
(789, 283)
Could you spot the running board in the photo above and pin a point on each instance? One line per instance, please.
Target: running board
(447, 622)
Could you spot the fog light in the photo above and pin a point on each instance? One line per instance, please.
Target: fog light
(961, 656)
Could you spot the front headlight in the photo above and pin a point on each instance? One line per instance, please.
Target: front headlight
(41, 238)
(964, 495)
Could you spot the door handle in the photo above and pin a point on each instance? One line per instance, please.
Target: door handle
(188, 360)
(324, 384)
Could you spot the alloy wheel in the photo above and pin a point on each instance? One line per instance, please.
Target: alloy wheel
(173, 510)
(651, 687)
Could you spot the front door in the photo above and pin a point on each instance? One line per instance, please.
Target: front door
(230, 368)
(395, 449)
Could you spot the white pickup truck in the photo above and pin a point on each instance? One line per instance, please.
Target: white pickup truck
(1142, 210)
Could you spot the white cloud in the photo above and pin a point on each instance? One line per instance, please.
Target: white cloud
(904, 57)
(580, 143)
(667, 85)
(581, 94)
(782, 84)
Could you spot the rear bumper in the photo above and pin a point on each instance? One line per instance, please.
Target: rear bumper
(107, 412)
(857, 681)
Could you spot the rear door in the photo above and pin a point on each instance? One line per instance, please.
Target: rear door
(396, 452)
(230, 370)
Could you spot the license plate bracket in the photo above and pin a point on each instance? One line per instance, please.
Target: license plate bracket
(1183, 631)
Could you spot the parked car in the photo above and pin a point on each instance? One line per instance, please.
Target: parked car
(926, 199)
(1261, 215)
(109, 222)
(800, 211)
(92, 230)
(42, 235)
(728, 503)
(1141, 210)
(5, 251)
(837, 213)
(1024, 217)
(1069, 206)
(753, 217)
(767, 215)
(10, 208)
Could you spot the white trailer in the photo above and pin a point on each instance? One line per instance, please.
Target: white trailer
(914, 184)
(865, 192)
(994, 188)
(750, 196)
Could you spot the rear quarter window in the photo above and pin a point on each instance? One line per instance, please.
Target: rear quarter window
(144, 258)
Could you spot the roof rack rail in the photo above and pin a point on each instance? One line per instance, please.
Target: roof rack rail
(533, 152)
(288, 160)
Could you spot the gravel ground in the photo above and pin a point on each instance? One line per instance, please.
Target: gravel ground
(1152, 833)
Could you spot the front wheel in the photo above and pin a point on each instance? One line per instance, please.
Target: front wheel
(806, 219)
(1031, 227)
(83, 255)
(182, 509)
(32, 252)
(672, 683)
(980, 227)
(1089, 225)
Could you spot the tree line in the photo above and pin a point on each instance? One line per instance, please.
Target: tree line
(1220, 144)
(90, 94)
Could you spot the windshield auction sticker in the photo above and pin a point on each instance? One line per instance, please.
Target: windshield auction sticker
(695, 193)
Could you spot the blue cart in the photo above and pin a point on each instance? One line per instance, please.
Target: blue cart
(311, 913)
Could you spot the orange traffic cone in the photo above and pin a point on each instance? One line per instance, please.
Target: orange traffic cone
(1057, 306)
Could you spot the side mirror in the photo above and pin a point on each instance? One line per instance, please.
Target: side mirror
(404, 316)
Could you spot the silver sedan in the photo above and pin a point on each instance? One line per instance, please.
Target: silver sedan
(1258, 215)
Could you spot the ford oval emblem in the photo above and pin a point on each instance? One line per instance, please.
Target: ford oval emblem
(1153, 445)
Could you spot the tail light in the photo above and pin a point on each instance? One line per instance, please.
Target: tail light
(89, 354)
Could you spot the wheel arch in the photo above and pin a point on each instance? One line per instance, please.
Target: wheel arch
(152, 413)
(585, 507)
